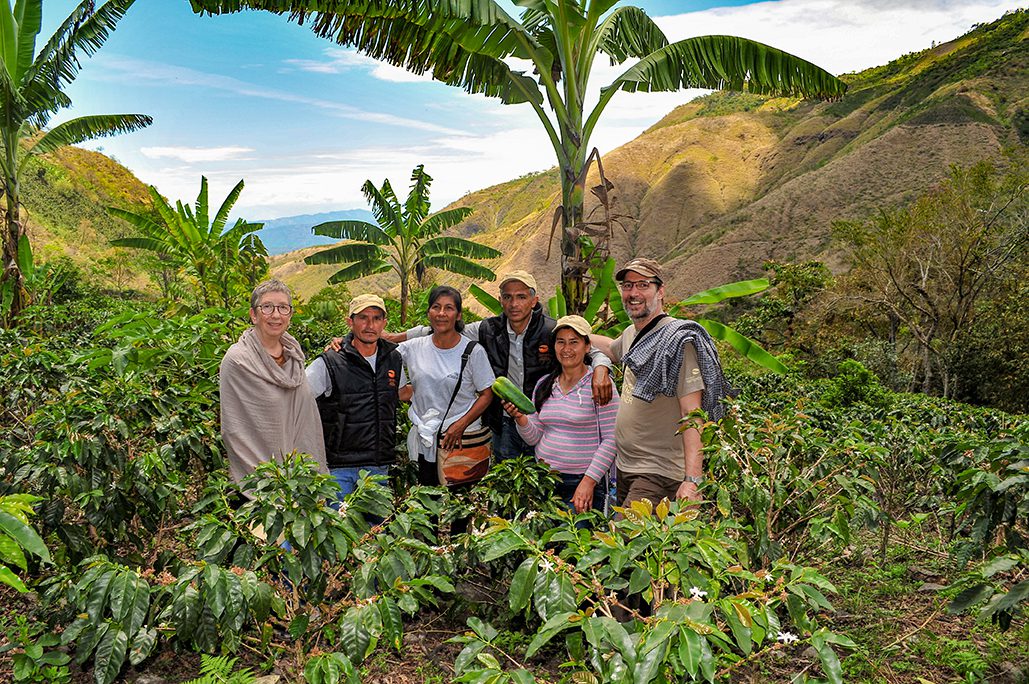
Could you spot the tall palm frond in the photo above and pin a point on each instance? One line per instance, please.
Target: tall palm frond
(407, 239)
(31, 92)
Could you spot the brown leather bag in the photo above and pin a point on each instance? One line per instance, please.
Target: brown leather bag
(470, 462)
(467, 464)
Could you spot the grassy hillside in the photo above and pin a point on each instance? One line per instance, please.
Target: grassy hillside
(726, 182)
(66, 195)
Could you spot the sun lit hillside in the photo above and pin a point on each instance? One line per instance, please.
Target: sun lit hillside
(724, 183)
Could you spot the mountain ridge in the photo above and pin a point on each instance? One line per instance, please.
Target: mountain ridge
(724, 183)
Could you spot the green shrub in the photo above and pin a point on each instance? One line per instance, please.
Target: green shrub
(855, 384)
(708, 608)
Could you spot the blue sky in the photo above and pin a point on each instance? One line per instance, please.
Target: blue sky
(305, 122)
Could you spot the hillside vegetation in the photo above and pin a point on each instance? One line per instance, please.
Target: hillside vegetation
(728, 181)
(67, 194)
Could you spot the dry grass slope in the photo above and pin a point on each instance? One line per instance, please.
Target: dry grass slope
(724, 183)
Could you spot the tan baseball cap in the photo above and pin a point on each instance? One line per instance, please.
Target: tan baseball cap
(362, 302)
(645, 267)
(523, 277)
(576, 323)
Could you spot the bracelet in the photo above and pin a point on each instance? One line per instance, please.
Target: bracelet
(695, 480)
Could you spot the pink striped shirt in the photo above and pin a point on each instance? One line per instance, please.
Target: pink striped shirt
(571, 433)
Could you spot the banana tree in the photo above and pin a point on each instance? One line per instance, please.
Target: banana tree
(468, 44)
(226, 263)
(617, 320)
(31, 92)
(407, 240)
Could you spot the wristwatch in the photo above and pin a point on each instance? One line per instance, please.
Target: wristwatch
(695, 480)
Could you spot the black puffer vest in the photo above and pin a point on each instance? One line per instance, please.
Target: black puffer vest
(535, 354)
(359, 417)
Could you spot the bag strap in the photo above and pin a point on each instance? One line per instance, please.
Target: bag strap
(460, 374)
(647, 328)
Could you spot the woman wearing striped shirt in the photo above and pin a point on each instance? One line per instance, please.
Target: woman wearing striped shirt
(571, 433)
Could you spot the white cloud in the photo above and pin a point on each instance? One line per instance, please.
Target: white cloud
(192, 155)
(339, 61)
(841, 35)
(138, 72)
(321, 179)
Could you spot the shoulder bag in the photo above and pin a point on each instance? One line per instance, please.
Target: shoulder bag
(468, 463)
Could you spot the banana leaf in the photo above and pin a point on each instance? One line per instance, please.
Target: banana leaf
(723, 292)
(486, 299)
(747, 347)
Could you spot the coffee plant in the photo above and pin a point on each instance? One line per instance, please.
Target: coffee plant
(656, 596)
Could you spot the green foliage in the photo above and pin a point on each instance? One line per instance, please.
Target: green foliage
(17, 537)
(209, 607)
(407, 240)
(40, 283)
(113, 602)
(992, 486)
(993, 355)
(516, 487)
(331, 668)
(926, 268)
(704, 600)
(112, 435)
(854, 383)
(365, 579)
(224, 264)
(31, 92)
(790, 486)
(992, 483)
(38, 660)
(222, 670)
(476, 664)
(774, 318)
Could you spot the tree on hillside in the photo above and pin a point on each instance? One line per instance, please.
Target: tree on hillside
(407, 240)
(929, 266)
(466, 44)
(225, 264)
(31, 92)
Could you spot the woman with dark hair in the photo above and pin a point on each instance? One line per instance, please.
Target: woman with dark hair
(571, 433)
(434, 369)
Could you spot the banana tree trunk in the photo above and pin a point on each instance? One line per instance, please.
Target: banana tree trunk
(573, 181)
(573, 269)
(404, 291)
(13, 230)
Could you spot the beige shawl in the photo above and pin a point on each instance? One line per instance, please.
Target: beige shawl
(266, 410)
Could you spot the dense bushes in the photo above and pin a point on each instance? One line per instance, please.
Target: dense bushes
(153, 549)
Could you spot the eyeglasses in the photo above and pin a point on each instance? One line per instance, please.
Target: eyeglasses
(267, 309)
(641, 285)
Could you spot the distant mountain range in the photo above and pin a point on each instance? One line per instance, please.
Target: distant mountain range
(727, 182)
(716, 188)
(290, 233)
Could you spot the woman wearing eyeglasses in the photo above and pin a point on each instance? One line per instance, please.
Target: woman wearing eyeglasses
(267, 410)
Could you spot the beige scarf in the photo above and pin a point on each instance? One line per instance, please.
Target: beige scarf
(266, 410)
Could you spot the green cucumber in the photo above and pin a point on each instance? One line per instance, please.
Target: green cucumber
(508, 391)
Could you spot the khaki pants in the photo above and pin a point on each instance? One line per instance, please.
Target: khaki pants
(636, 486)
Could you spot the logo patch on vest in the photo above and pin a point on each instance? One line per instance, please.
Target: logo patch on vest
(391, 373)
(544, 349)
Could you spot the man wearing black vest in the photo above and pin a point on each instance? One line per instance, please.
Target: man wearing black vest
(518, 345)
(358, 390)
